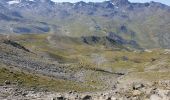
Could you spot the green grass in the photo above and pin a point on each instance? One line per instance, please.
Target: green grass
(29, 80)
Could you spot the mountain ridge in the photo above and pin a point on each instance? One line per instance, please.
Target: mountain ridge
(140, 22)
(105, 50)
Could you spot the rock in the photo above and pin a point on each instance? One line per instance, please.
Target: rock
(168, 94)
(87, 97)
(155, 97)
(59, 98)
(124, 58)
(70, 92)
(111, 98)
(137, 86)
(24, 94)
(15, 44)
(136, 93)
(7, 82)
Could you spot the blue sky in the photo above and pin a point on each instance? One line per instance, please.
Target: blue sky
(167, 2)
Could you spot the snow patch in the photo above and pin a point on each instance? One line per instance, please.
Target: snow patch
(14, 2)
(116, 7)
(112, 3)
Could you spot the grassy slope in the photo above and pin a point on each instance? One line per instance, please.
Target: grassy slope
(28, 80)
(112, 59)
(98, 61)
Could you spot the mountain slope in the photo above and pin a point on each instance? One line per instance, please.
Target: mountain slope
(145, 23)
(65, 64)
(22, 66)
(112, 49)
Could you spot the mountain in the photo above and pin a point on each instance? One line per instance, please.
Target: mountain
(146, 24)
(84, 51)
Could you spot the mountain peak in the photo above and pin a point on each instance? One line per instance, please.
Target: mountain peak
(120, 2)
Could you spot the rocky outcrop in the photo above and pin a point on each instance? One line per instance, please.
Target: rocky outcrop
(15, 44)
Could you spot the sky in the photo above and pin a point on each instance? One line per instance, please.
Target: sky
(167, 2)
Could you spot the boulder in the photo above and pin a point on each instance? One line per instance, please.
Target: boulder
(136, 93)
(7, 82)
(87, 97)
(155, 97)
(137, 86)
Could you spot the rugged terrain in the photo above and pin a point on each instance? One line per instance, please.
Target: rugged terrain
(34, 66)
(86, 51)
(145, 24)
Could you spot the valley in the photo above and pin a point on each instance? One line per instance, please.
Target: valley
(44, 64)
(111, 50)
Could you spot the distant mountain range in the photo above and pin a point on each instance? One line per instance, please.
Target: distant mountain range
(141, 24)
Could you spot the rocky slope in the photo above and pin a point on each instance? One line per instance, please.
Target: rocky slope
(31, 67)
(86, 51)
(17, 58)
(135, 91)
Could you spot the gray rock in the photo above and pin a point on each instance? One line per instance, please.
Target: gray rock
(87, 97)
(137, 86)
(155, 97)
(7, 82)
(136, 93)
(59, 98)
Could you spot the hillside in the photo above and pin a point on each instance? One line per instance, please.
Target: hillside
(111, 50)
(33, 63)
(145, 24)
